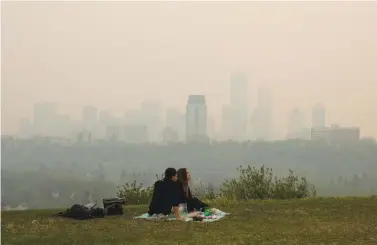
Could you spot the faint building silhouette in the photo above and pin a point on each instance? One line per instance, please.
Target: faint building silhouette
(238, 110)
(336, 135)
(177, 121)
(44, 118)
(196, 118)
(318, 116)
(211, 126)
(132, 117)
(135, 134)
(296, 125)
(169, 135)
(152, 116)
(262, 116)
(90, 119)
(227, 126)
(105, 119)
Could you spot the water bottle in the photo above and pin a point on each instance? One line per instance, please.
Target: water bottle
(183, 209)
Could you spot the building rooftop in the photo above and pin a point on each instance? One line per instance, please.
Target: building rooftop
(196, 99)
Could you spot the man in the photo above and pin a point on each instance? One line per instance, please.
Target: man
(166, 195)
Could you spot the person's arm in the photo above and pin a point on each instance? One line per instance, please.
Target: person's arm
(176, 200)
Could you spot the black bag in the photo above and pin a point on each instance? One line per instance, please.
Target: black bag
(113, 206)
(81, 212)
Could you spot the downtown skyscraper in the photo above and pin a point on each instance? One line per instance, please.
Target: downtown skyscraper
(263, 116)
(196, 119)
(236, 114)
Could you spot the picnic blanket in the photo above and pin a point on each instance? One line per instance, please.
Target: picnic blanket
(219, 215)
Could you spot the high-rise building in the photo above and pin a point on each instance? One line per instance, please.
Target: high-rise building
(296, 125)
(318, 116)
(238, 105)
(196, 118)
(262, 116)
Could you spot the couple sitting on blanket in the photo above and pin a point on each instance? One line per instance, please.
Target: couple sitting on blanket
(172, 191)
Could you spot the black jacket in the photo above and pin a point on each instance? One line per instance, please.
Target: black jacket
(166, 194)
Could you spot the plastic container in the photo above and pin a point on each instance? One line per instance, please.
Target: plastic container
(182, 209)
(207, 212)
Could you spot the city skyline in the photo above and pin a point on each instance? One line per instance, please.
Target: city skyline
(172, 125)
(151, 122)
(93, 53)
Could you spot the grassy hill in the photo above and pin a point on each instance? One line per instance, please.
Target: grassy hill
(312, 221)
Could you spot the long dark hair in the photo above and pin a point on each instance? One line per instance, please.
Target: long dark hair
(182, 178)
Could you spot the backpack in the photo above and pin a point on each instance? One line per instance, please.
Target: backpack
(81, 212)
(113, 206)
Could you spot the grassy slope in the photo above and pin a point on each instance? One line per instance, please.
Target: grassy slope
(318, 221)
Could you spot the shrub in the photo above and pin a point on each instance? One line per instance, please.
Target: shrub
(135, 193)
(253, 183)
(205, 193)
(260, 183)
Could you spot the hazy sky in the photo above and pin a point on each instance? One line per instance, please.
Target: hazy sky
(115, 54)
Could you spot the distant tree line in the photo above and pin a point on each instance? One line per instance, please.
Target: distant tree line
(334, 170)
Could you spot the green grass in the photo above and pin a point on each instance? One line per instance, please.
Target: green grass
(312, 221)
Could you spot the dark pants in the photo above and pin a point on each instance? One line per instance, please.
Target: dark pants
(195, 204)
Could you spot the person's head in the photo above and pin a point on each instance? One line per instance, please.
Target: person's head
(171, 174)
(183, 175)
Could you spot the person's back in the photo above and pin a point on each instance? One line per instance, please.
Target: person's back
(165, 194)
(164, 197)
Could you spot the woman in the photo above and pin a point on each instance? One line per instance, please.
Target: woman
(193, 203)
(166, 195)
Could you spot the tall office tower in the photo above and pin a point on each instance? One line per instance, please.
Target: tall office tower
(262, 117)
(196, 118)
(239, 105)
(44, 118)
(318, 116)
(296, 124)
(152, 116)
